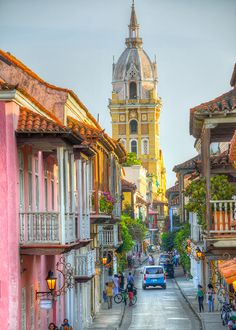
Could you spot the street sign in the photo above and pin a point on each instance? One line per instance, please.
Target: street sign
(46, 304)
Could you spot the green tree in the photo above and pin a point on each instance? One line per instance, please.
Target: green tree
(167, 241)
(180, 244)
(132, 159)
(221, 189)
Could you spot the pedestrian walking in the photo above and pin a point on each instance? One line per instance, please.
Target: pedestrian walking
(121, 280)
(210, 298)
(116, 284)
(129, 261)
(200, 297)
(52, 326)
(109, 293)
(130, 278)
(65, 325)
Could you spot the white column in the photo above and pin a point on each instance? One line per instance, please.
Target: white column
(87, 200)
(81, 192)
(60, 157)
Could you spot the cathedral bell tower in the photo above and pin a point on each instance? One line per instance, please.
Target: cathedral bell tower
(135, 107)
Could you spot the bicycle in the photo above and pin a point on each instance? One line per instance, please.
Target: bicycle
(121, 297)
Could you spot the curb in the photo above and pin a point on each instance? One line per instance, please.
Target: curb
(190, 305)
(122, 317)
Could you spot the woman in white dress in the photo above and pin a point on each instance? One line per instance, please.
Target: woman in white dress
(116, 285)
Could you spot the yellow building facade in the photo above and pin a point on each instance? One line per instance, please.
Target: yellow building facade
(135, 108)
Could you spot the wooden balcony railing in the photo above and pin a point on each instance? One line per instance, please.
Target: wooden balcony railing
(85, 265)
(223, 216)
(45, 228)
(108, 237)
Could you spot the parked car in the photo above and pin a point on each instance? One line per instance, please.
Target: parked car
(169, 270)
(153, 276)
(164, 259)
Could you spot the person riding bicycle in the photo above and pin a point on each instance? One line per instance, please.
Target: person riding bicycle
(130, 278)
(232, 324)
(130, 290)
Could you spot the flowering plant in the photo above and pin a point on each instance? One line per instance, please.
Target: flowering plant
(106, 203)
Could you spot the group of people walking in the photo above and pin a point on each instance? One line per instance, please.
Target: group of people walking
(116, 285)
(210, 298)
(65, 326)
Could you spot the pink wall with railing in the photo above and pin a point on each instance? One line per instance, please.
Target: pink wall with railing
(20, 271)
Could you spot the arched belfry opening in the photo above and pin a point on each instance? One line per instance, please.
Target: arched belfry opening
(133, 90)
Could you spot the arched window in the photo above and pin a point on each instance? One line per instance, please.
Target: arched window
(132, 90)
(145, 147)
(134, 146)
(123, 141)
(133, 127)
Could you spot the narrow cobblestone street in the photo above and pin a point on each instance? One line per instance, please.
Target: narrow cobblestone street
(159, 309)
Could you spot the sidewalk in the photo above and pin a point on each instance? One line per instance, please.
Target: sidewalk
(209, 321)
(108, 319)
(111, 319)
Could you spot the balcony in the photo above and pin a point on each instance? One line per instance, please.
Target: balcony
(85, 267)
(223, 217)
(41, 232)
(108, 236)
(103, 206)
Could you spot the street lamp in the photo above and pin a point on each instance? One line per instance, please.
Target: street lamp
(189, 250)
(51, 283)
(104, 260)
(199, 253)
(234, 285)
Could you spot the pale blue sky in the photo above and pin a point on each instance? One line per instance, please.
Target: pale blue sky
(71, 44)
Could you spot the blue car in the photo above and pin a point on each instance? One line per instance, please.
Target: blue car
(153, 276)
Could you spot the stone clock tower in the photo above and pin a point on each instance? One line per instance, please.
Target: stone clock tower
(135, 106)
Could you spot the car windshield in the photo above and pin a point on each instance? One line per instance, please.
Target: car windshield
(164, 256)
(154, 270)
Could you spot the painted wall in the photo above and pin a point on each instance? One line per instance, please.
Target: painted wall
(9, 223)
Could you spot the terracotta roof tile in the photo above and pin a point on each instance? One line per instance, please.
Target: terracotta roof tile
(30, 121)
(221, 104)
(22, 66)
(189, 165)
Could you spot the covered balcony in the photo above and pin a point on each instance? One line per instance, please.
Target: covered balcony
(223, 217)
(108, 235)
(85, 267)
(103, 206)
(50, 233)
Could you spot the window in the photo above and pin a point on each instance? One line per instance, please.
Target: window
(21, 169)
(145, 147)
(133, 126)
(37, 184)
(134, 146)
(132, 90)
(30, 182)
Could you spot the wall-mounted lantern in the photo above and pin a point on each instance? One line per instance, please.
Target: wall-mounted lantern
(199, 254)
(64, 268)
(51, 283)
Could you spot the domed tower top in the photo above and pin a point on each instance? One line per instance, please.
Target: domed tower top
(134, 67)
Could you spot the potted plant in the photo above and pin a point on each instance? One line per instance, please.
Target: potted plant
(106, 203)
